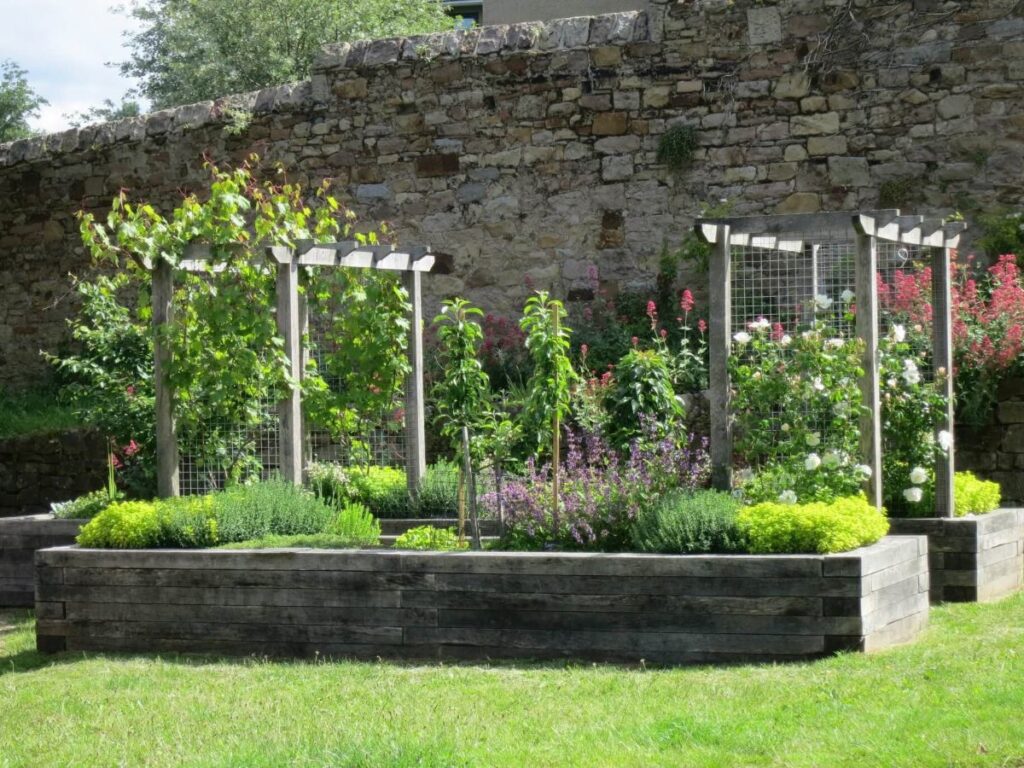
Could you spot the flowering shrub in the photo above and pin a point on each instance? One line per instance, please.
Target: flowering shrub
(601, 493)
(911, 409)
(837, 526)
(797, 406)
(988, 325)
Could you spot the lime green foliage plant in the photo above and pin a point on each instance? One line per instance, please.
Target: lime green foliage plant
(354, 523)
(973, 496)
(797, 405)
(383, 490)
(819, 527)
(688, 523)
(125, 525)
(427, 537)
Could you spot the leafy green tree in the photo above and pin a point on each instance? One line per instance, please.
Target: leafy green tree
(192, 50)
(18, 102)
(107, 112)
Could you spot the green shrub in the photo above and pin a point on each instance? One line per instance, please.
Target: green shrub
(187, 523)
(84, 507)
(297, 541)
(355, 524)
(429, 537)
(272, 507)
(383, 490)
(822, 527)
(439, 491)
(123, 525)
(972, 496)
(685, 523)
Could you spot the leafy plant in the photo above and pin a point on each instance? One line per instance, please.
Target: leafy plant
(838, 526)
(427, 537)
(1003, 233)
(124, 525)
(271, 507)
(383, 490)
(296, 541)
(686, 523)
(355, 524)
(550, 385)
(84, 507)
(462, 395)
(438, 492)
(642, 389)
(973, 496)
(677, 146)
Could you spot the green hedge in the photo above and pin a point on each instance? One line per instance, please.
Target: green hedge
(838, 526)
(688, 523)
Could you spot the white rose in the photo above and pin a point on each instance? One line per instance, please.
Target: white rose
(821, 301)
(864, 470)
(913, 495)
(742, 337)
(847, 296)
(918, 475)
(786, 340)
(761, 324)
(819, 384)
(787, 497)
(835, 343)
(812, 462)
(784, 427)
(899, 334)
(910, 373)
(945, 440)
(813, 439)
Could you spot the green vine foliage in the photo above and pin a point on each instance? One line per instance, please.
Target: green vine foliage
(642, 390)
(677, 146)
(226, 355)
(549, 389)
(363, 352)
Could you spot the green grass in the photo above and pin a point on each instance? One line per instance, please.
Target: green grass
(955, 698)
(34, 412)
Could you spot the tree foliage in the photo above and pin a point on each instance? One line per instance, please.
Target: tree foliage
(18, 102)
(193, 50)
(106, 113)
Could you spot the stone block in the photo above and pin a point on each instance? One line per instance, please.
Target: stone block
(849, 171)
(957, 106)
(810, 125)
(764, 25)
(825, 146)
(617, 168)
(610, 124)
(800, 202)
(794, 85)
(437, 165)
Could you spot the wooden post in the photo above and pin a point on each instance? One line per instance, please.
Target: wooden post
(415, 427)
(942, 362)
(867, 332)
(167, 484)
(720, 341)
(290, 408)
(556, 436)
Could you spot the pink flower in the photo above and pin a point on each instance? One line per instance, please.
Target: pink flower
(634, 341)
(702, 326)
(130, 390)
(686, 303)
(664, 333)
(131, 449)
(584, 349)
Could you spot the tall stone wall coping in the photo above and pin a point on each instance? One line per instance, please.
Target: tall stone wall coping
(609, 607)
(540, 37)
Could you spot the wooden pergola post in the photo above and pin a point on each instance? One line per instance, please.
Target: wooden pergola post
(866, 290)
(415, 419)
(162, 293)
(290, 408)
(942, 362)
(720, 344)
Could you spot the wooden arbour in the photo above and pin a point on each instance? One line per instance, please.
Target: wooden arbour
(789, 233)
(292, 320)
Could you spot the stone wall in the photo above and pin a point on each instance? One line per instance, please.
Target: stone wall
(996, 450)
(531, 150)
(36, 470)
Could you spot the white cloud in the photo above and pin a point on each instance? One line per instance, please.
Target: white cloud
(65, 46)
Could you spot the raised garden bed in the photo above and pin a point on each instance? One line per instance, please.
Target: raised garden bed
(473, 605)
(971, 559)
(20, 537)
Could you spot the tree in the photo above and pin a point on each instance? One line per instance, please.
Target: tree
(106, 113)
(193, 50)
(18, 102)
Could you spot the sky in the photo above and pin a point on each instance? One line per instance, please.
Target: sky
(64, 45)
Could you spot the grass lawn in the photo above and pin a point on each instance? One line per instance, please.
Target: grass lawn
(34, 412)
(956, 698)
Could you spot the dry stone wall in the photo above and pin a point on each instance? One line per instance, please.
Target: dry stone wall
(532, 150)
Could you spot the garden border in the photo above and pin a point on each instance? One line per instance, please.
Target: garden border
(20, 537)
(971, 559)
(663, 609)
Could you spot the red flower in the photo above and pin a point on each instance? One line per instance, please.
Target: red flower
(130, 390)
(131, 449)
(777, 331)
(702, 326)
(664, 333)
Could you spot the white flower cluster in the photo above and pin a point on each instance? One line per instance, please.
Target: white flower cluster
(911, 374)
(918, 477)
